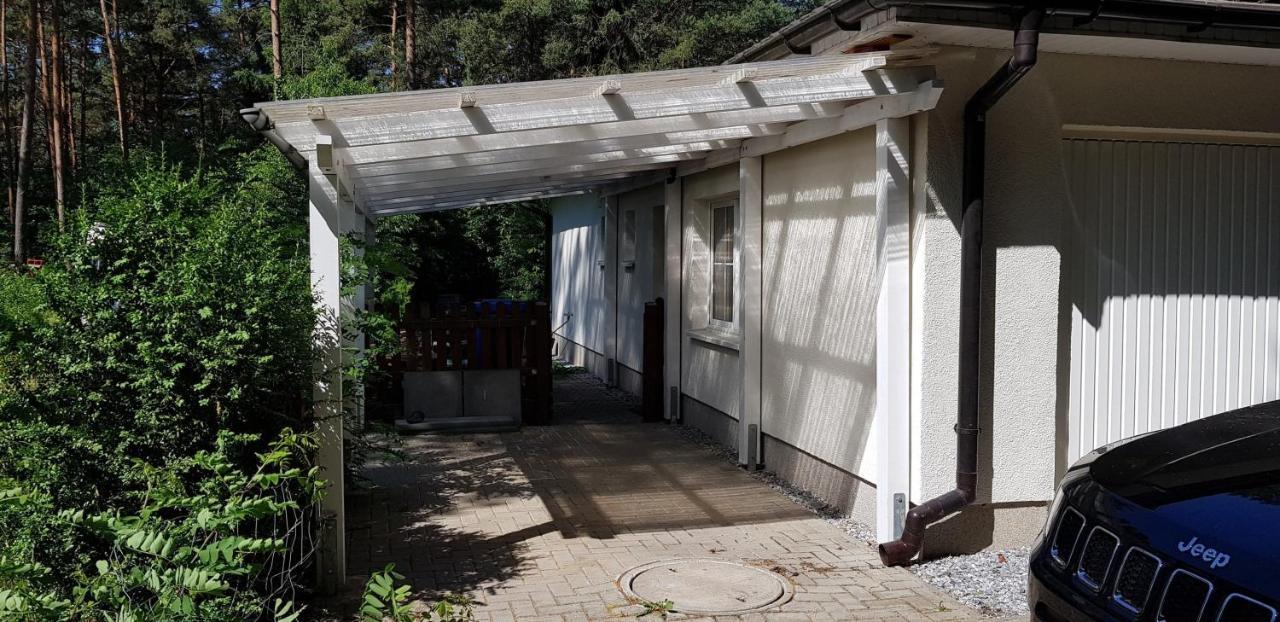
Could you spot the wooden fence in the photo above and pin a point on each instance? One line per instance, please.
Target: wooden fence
(486, 335)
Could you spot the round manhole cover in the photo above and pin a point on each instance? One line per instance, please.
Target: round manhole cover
(706, 586)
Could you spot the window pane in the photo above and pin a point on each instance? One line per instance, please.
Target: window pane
(722, 263)
(722, 308)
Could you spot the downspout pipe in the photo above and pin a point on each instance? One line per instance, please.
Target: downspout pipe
(261, 123)
(1026, 40)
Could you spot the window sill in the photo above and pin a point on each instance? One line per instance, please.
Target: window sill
(718, 337)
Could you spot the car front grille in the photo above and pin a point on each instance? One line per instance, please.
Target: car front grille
(1239, 608)
(1095, 560)
(1065, 536)
(1184, 597)
(1137, 579)
(1137, 575)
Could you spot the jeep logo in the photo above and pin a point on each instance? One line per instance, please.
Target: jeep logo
(1216, 558)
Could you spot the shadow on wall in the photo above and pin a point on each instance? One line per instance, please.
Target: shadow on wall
(1173, 285)
(1129, 231)
(819, 308)
(579, 290)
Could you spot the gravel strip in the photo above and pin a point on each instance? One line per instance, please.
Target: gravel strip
(993, 582)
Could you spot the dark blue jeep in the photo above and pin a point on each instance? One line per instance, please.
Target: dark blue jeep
(1181, 525)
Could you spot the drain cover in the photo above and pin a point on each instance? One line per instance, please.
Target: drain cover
(706, 586)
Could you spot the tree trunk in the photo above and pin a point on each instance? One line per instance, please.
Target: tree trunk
(394, 49)
(6, 143)
(24, 138)
(68, 102)
(277, 58)
(410, 73)
(115, 79)
(56, 114)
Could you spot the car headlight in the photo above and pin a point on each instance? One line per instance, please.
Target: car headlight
(1074, 474)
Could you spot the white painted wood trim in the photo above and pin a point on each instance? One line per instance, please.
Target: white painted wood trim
(920, 221)
(893, 321)
(751, 242)
(326, 226)
(611, 286)
(601, 131)
(673, 214)
(855, 117)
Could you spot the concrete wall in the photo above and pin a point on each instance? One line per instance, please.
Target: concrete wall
(711, 372)
(1029, 218)
(819, 300)
(577, 281)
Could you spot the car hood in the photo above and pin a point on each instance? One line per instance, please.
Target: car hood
(1214, 482)
(1235, 454)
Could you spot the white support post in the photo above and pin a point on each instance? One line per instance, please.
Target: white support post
(893, 325)
(326, 227)
(673, 332)
(751, 207)
(355, 224)
(611, 289)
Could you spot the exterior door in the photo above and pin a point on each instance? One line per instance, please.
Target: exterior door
(1172, 269)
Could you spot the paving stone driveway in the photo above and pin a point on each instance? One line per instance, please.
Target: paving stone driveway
(538, 525)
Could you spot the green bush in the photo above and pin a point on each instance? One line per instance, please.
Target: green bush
(175, 310)
(218, 549)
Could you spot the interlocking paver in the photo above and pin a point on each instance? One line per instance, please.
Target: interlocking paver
(538, 524)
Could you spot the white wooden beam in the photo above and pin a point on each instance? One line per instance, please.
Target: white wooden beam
(324, 153)
(848, 81)
(496, 198)
(374, 174)
(856, 116)
(600, 131)
(893, 325)
(482, 190)
(291, 111)
(609, 87)
(538, 169)
(714, 159)
(572, 149)
(751, 210)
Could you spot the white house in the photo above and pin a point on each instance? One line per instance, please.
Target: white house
(801, 210)
(1130, 259)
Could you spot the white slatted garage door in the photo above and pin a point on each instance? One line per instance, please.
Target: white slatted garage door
(1173, 272)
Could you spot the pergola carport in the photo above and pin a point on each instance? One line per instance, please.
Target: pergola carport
(395, 153)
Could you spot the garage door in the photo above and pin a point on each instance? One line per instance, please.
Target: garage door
(1173, 272)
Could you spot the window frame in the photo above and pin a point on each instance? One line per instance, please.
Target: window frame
(734, 308)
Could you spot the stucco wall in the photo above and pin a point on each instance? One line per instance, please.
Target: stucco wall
(711, 373)
(819, 300)
(636, 286)
(1028, 218)
(577, 282)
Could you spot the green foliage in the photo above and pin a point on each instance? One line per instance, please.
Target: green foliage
(661, 608)
(208, 542)
(387, 598)
(174, 310)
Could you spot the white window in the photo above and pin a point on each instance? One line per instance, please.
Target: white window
(724, 263)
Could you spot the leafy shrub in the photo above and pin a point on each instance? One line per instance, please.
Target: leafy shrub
(386, 598)
(176, 309)
(218, 549)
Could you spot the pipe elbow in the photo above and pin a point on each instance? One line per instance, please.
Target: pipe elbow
(898, 552)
